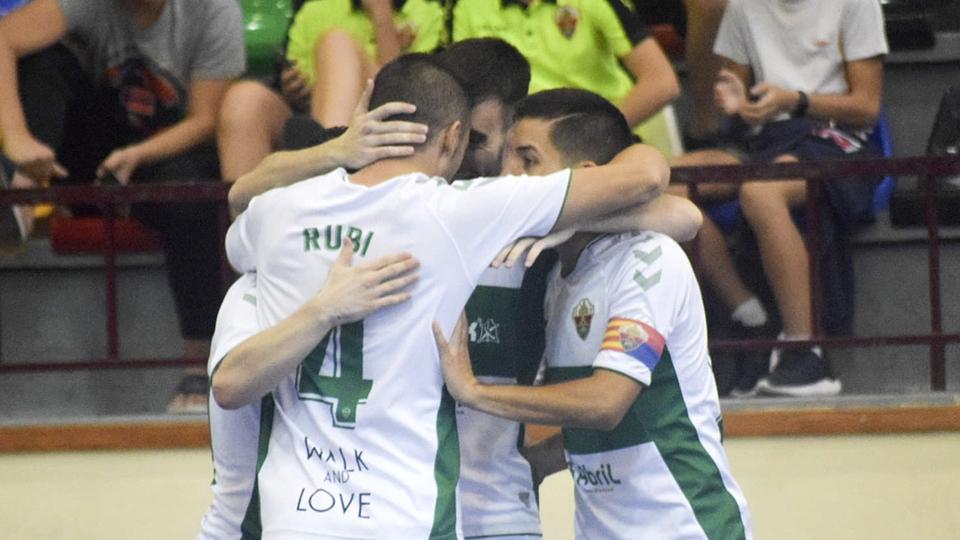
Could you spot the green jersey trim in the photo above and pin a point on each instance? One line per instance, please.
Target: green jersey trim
(252, 527)
(659, 416)
(446, 471)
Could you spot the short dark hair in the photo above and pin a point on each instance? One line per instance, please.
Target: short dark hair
(419, 79)
(490, 68)
(585, 126)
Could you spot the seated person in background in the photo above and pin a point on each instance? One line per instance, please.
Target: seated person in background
(806, 78)
(626, 358)
(128, 90)
(333, 48)
(597, 45)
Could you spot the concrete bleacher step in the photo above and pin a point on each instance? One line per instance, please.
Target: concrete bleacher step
(52, 310)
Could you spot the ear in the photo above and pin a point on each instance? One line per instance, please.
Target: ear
(450, 139)
(583, 164)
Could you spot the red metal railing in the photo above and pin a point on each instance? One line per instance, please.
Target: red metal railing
(814, 173)
(109, 198)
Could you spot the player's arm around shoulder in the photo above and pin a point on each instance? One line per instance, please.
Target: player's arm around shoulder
(599, 401)
(636, 175)
(256, 366)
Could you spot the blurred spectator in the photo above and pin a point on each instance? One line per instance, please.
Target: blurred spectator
(128, 92)
(333, 47)
(597, 45)
(804, 78)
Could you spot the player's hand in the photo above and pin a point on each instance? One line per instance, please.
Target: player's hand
(729, 92)
(294, 87)
(33, 158)
(370, 137)
(532, 246)
(772, 100)
(353, 292)
(121, 162)
(455, 361)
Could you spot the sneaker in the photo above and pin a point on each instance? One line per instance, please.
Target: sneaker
(750, 369)
(13, 232)
(191, 396)
(800, 373)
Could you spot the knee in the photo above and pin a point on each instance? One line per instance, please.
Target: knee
(245, 105)
(334, 44)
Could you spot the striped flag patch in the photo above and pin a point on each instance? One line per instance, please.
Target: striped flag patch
(634, 338)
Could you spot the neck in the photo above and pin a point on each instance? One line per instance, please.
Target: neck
(570, 251)
(381, 171)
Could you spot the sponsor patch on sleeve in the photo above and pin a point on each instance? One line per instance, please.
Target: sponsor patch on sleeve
(634, 338)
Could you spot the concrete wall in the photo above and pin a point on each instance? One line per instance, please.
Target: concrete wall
(870, 488)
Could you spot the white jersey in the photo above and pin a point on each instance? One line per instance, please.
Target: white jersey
(496, 484)
(632, 305)
(233, 433)
(361, 442)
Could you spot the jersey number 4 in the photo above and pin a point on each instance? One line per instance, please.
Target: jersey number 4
(347, 388)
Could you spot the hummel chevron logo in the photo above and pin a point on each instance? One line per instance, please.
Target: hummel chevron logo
(648, 256)
(645, 282)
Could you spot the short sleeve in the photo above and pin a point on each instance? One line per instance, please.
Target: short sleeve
(619, 24)
(862, 30)
(731, 39)
(236, 321)
(643, 302)
(241, 240)
(462, 21)
(484, 215)
(220, 53)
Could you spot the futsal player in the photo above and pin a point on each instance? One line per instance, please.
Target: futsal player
(627, 369)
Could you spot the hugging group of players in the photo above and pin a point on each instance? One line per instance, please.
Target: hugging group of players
(394, 329)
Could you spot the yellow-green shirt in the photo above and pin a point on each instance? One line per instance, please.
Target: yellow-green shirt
(569, 43)
(421, 19)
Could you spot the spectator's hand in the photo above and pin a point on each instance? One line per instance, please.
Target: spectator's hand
(772, 100)
(533, 246)
(121, 162)
(455, 361)
(370, 137)
(33, 158)
(729, 92)
(294, 87)
(353, 292)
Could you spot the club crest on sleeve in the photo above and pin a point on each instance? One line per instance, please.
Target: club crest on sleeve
(583, 317)
(567, 19)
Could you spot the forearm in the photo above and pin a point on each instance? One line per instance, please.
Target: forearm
(385, 34)
(257, 365)
(845, 109)
(674, 216)
(185, 135)
(647, 98)
(563, 404)
(12, 122)
(282, 169)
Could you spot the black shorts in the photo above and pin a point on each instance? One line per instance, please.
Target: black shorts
(809, 140)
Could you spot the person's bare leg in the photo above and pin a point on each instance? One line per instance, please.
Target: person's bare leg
(766, 206)
(249, 127)
(191, 396)
(341, 68)
(716, 263)
(703, 20)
